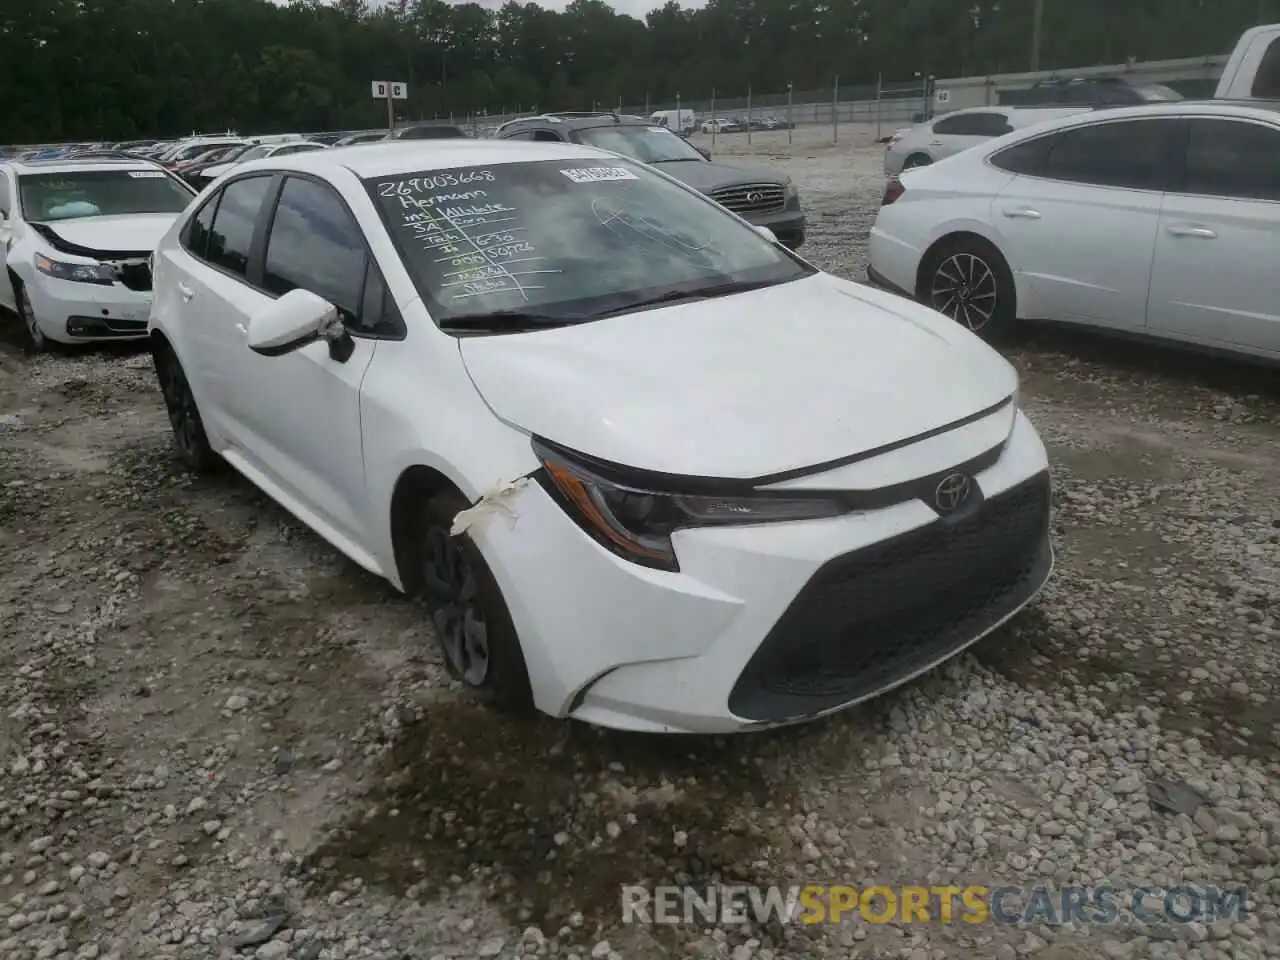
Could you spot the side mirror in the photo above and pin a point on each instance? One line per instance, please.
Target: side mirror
(704, 151)
(295, 320)
(767, 234)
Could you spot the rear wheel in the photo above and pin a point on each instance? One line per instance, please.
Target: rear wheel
(968, 280)
(184, 416)
(471, 619)
(917, 160)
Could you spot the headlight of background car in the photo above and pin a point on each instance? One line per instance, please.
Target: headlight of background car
(637, 523)
(79, 272)
(792, 191)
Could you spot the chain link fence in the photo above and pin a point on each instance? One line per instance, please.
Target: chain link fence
(884, 107)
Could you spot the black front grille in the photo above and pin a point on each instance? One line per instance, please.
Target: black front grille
(751, 197)
(105, 327)
(869, 619)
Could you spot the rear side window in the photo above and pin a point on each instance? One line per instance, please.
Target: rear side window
(196, 237)
(1232, 158)
(316, 244)
(964, 124)
(1129, 153)
(1266, 82)
(231, 235)
(1025, 158)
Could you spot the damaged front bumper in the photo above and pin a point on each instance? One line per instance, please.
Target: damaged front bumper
(73, 312)
(702, 650)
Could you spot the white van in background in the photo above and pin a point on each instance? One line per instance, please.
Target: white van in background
(678, 121)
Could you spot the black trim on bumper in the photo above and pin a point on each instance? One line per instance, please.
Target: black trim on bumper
(105, 328)
(878, 280)
(872, 619)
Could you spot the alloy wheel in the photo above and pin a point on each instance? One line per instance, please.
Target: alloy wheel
(966, 290)
(459, 620)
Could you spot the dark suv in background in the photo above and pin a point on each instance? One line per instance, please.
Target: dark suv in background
(1088, 91)
(761, 198)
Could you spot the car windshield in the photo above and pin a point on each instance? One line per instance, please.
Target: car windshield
(99, 193)
(566, 241)
(1158, 92)
(257, 153)
(194, 150)
(644, 143)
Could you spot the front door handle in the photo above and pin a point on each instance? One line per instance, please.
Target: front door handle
(185, 292)
(1022, 213)
(1187, 230)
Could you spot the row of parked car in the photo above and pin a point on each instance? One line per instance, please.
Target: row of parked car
(1160, 220)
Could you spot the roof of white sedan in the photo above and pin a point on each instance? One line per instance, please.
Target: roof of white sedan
(1174, 108)
(391, 157)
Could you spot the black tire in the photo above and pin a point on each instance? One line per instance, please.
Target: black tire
(968, 280)
(34, 340)
(189, 437)
(472, 623)
(917, 160)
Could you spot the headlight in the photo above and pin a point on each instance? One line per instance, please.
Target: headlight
(636, 522)
(791, 190)
(79, 272)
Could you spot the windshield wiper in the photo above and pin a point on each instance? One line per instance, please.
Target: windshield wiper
(507, 321)
(682, 296)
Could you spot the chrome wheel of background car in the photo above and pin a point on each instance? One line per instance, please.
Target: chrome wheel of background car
(36, 340)
(458, 618)
(916, 160)
(966, 290)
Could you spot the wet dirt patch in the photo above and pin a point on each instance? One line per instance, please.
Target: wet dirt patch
(538, 811)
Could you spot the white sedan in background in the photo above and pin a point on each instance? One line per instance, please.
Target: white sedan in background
(261, 152)
(1159, 221)
(77, 236)
(959, 130)
(653, 470)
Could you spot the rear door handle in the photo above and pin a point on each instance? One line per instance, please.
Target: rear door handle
(185, 292)
(935, 143)
(1187, 230)
(1023, 213)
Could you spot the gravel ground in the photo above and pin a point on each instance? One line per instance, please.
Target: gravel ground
(219, 738)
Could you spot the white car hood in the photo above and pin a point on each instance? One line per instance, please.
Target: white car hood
(132, 233)
(745, 386)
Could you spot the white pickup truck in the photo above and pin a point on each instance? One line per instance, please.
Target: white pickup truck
(1253, 70)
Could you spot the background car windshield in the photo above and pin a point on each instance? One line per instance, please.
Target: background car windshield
(565, 238)
(646, 144)
(256, 153)
(100, 193)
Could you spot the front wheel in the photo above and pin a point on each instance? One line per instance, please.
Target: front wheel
(472, 623)
(36, 341)
(969, 281)
(184, 416)
(917, 160)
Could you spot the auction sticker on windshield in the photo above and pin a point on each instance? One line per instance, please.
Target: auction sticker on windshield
(599, 174)
(146, 174)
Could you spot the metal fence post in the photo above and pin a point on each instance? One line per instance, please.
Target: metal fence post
(879, 93)
(835, 110)
(679, 118)
(646, 105)
(791, 126)
(748, 114)
(714, 125)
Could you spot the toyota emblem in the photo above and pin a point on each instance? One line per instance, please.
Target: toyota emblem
(952, 492)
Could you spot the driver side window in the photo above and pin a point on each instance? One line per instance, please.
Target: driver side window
(316, 244)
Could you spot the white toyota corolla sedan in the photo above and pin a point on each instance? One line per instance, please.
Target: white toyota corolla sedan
(652, 470)
(77, 235)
